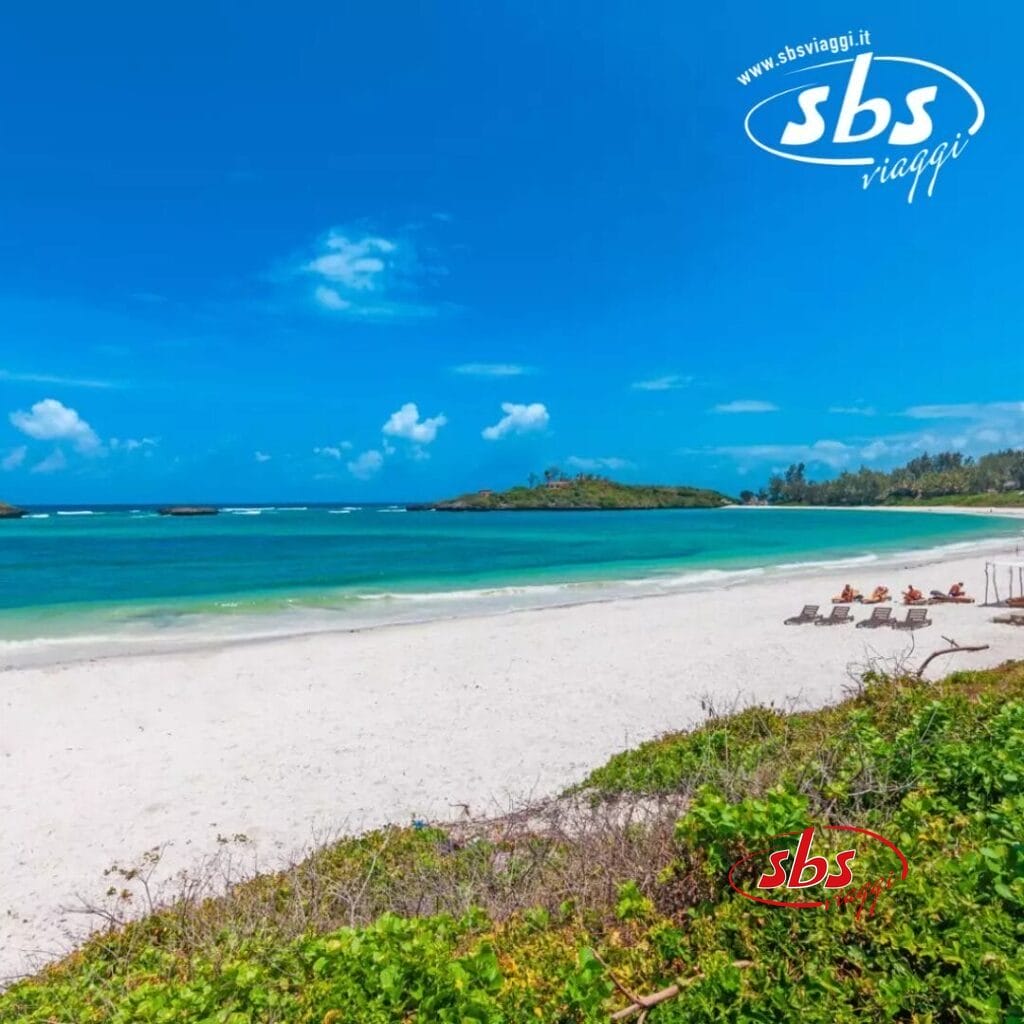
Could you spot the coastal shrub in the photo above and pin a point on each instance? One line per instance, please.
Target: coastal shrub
(553, 927)
(719, 752)
(719, 831)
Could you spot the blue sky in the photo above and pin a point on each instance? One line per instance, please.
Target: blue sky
(393, 251)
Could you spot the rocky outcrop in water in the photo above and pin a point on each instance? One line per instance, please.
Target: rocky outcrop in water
(188, 510)
(10, 511)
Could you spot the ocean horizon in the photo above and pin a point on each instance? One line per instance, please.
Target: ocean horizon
(114, 570)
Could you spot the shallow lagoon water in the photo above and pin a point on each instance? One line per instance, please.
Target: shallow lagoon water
(66, 572)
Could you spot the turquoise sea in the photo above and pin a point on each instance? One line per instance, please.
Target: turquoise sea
(68, 571)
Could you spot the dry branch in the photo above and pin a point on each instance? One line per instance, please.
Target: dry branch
(644, 1004)
(954, 649)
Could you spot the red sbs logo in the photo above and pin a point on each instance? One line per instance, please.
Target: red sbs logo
(792, 877)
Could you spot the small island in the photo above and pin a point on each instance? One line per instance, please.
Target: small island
(188, 510)
(10, 511)
(556, 492)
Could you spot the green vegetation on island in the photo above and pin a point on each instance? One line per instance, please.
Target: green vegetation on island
(555, 491)
(537, 918)
(949, 478)
(10, 511)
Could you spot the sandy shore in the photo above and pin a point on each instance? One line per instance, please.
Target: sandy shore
(286, 739)
(948, 510)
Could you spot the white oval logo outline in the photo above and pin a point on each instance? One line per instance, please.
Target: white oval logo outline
(979, 119)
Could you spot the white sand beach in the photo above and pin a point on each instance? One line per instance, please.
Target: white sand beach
(287, 739)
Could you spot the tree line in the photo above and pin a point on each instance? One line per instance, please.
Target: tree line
(946, 474)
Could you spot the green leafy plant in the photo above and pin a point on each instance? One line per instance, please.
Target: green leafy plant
(541, 933)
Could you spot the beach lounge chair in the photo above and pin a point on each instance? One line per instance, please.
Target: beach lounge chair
(840, 613)
(809, 614)
(916, 618)
(879, 617)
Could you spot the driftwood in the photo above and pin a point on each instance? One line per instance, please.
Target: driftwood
(954, 648)
(644, 1004)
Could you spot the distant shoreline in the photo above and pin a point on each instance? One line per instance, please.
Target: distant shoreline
(71, 508)
(994, 511)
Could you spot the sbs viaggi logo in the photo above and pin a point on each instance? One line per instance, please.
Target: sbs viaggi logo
(898, 119)
(790, 876)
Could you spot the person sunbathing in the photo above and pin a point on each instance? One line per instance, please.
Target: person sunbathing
(912, 595)
(956, 594)
(847, 595)
(878, 595)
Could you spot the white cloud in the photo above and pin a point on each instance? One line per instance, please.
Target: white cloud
(14, 458)
(366, 275)
(875, 450)
(853, 410)
(592, 465)
(355, 264)
(975, 439)
(834, 454)
(262, 456)
(491, 369)
(966, 411)
(329, 298)
(975, 428)
(132, 444)
(334, 451)
(366, 465)
(889, 450)
(670, 382)
(518, 419)
(746, 405)
(983, 427)
(50, 420)
(54, 462)
(49, 378)
(406, 423)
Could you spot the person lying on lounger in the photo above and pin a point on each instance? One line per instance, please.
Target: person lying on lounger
(878, 595)
(956, 595)
(912, 594)
(847, 595)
